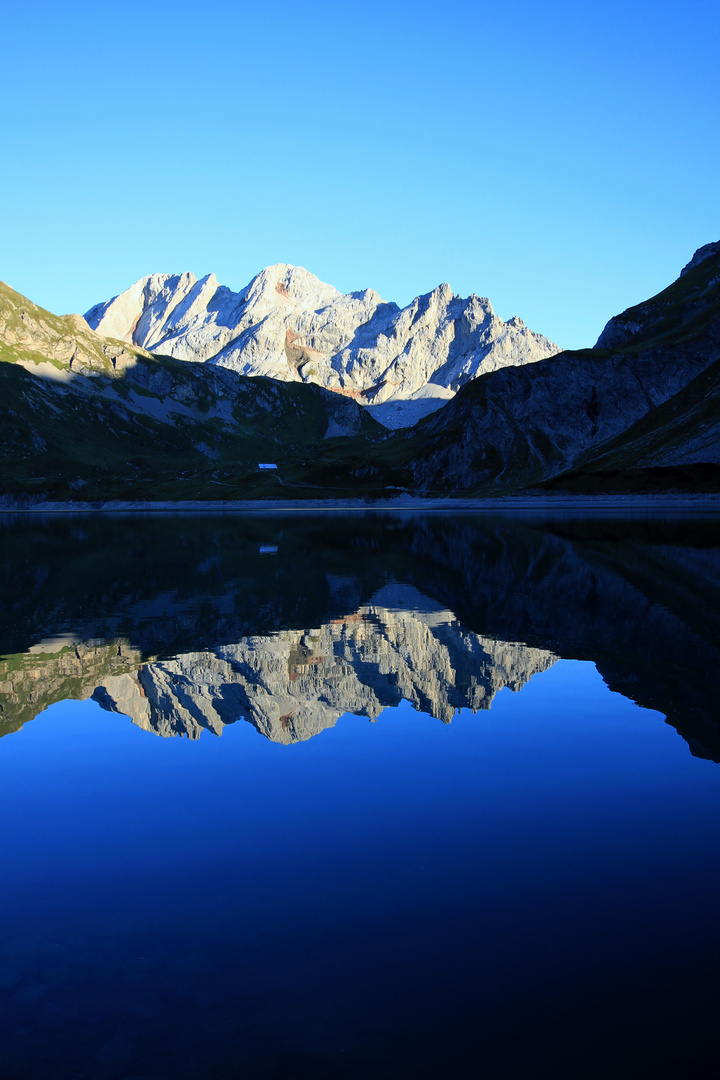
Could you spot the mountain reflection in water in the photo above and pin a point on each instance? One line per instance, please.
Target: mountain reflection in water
(531, 890)
(288, 622)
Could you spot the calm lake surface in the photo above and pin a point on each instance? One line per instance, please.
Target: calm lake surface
(212, 864)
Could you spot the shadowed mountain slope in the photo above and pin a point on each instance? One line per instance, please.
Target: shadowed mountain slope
(645, 395)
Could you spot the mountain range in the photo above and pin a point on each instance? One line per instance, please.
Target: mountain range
(198, 386)
(643, 402)
(286, 324)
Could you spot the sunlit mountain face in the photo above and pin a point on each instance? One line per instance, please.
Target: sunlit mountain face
(461, 819)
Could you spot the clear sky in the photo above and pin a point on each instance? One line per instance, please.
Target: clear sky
(562, 158)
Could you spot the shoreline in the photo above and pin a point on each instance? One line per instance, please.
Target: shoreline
(522, 503)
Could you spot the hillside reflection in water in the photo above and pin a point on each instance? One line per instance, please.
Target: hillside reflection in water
(187, 624)
(395, 902)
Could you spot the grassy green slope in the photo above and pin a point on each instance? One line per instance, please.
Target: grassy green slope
(32, 336)
(82, 416)
(683, 312)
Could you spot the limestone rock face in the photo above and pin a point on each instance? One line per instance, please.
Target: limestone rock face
(289, 325)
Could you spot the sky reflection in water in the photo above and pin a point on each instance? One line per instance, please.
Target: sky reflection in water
(532, 888)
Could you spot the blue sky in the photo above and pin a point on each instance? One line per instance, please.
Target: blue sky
(561, 158)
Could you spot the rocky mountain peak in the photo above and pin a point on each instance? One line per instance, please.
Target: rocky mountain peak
(289, 325)
(701, 255)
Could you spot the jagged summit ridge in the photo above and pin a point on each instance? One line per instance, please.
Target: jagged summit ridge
(289, 325)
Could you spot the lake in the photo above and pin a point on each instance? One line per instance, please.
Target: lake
(364, 795)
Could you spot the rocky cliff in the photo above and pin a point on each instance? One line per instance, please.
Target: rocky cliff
(286, 324)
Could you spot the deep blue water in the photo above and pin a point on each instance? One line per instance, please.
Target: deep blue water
(532, 889)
